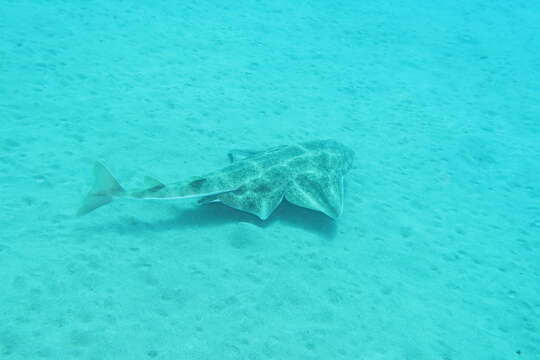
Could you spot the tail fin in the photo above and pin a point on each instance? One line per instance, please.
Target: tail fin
(102, 192)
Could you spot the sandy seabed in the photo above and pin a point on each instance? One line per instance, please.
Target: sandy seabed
(437, 253)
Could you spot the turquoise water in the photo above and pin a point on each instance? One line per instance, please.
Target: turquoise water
(436, 254)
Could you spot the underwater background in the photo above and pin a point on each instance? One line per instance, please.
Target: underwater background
(437, 252)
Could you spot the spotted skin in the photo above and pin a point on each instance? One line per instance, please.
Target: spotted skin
(308, 174)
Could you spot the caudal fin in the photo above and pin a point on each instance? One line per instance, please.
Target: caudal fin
(102, 192)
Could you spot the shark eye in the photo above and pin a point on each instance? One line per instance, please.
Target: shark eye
(240, 191)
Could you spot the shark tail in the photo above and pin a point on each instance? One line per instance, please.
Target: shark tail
(102, 192)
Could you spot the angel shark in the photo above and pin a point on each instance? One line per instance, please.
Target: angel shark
(308, 174)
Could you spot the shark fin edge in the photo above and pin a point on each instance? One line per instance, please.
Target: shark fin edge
(102, 192)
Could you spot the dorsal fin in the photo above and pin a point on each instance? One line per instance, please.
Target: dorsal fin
(153, 182)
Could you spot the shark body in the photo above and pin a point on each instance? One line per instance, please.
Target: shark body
(308, 174)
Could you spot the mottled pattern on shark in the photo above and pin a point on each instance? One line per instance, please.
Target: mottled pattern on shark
(308, 174)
